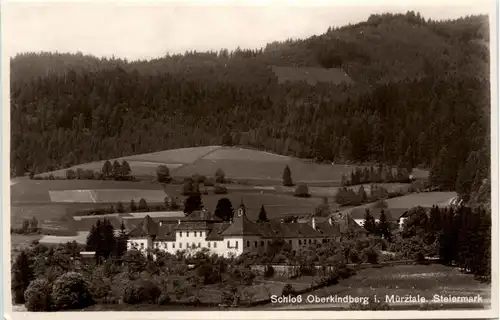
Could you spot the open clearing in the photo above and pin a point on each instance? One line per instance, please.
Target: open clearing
(423, 199)
(37, 191)
(237, 163)
(401, 280)
(107, 196)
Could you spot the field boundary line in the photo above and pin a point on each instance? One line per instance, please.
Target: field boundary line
(92, 196)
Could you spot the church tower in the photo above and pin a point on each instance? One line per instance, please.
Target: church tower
(241, 210)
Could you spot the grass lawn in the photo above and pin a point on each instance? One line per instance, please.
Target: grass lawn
(401, 280)
(37, 191)
(251, 169)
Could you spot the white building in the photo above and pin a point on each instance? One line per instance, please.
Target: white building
(202, 229)
(393, 215)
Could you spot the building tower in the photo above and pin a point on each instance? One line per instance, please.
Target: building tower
(241, 210)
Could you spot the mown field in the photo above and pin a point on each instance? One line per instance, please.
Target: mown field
(237, 163)
(401, 280)
(37, 191)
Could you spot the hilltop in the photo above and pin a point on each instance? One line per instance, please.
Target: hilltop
(409, 78)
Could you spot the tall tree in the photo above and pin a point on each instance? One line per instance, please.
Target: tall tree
(383, 226)
(262, 215)
(192, 203)
(224, 209)
(116, 170)
(287, 177)
(107, 170)
(369, 222)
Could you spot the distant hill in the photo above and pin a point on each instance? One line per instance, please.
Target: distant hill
(410, 79)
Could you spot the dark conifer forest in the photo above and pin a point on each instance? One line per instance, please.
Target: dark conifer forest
(420, 96)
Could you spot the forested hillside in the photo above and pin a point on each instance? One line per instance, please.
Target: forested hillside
(420, 95)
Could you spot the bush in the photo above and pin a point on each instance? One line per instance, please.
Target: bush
(220, 189)
(164, 299)
(302, 191)
(287, 290)
(141, 291)
(371, 256)
(163, 174)
(220, 176)
(70, 291)
(37, 295)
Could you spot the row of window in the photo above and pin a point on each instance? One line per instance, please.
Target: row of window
(194, 245)
(201, 233)
(262, 243)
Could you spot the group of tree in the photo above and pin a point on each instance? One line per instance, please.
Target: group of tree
(460, 236)
(379, 174)
(349, 197)
(28, 226)
(55, 278)
(142, 206)
(383, 227)
(103, 241)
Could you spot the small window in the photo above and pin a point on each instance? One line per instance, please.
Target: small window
(173, 245)
(142, 245)
(262, 243)
(256, 244)
(310, 241)
(156, 245)
(180, 245)
(228, 244)
(195, 233)
(180, 234)
(236, 245)
(314, 241)
(248, 243)
(209, 244)
(324, 240)
(290, 242)
(187, 233)
(300, 242)
(215, 244)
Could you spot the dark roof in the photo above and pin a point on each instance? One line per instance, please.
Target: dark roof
(166, 232)
(392, 214)
(216, 231)
(147, 227)
(188, 225)
(242, 226)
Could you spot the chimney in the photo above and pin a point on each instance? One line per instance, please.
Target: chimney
(330, 221)
(161, 222)
(313, 221)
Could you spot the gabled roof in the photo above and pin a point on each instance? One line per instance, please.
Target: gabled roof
(216, 231)
(202, 225)
(242, 226)
(166, 232)
(147, 228)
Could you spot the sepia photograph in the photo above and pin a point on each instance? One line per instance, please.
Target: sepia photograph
(271, 158)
